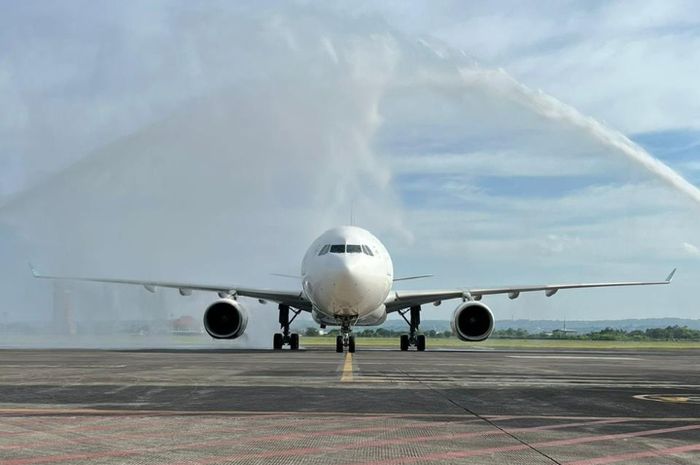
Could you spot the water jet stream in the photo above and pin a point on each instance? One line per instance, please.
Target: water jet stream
(549, 107)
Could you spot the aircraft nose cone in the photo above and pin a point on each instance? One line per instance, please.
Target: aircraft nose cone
(345, 285)
(347, 278)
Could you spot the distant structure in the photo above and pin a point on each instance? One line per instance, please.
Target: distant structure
(562, 332)
(63, 321)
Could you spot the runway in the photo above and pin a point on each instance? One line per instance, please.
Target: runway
(373, 408)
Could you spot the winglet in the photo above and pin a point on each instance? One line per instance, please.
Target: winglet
(669, 278)
(34, 272)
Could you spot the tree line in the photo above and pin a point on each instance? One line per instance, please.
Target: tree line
(669, 333)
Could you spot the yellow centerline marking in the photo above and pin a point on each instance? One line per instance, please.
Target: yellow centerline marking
(346, 376)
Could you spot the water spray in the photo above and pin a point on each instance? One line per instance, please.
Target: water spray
(549, 107)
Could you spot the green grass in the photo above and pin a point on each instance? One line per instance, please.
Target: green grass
(325, 341)
(453, 343)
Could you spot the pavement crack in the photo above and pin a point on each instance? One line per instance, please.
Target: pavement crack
(484, 419)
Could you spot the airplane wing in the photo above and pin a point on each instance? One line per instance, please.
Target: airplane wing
(399, 300)
(294, 299)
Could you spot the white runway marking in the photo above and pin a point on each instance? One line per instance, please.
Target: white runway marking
(574, 357)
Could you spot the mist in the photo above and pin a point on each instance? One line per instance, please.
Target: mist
(228, 187)
(213, 145)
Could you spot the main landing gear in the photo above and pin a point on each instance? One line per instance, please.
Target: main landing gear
(280, 339)
(412, 338)
(346, 338)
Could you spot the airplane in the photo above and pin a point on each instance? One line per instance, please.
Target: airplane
(347, 278)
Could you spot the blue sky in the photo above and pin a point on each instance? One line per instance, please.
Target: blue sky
(427, 116)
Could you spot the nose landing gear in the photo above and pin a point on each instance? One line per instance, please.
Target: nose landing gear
(412, 338)
(346, 338)
(280, 339)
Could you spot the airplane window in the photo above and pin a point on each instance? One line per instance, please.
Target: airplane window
(338, 248)
(367, 250)
(324, 249)
(352, 248)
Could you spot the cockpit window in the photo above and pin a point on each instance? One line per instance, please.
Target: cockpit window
(352, 248)
(338, 248)
(346, 248)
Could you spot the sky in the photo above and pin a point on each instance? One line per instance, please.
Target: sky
(488, 144)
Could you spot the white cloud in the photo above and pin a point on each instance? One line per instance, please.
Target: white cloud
(691, 249)
(499, 163)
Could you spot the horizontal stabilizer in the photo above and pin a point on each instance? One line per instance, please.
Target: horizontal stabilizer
(407, 278)
(282, 275)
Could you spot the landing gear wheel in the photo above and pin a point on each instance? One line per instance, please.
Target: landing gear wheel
(404, 342)
(420, 342)
(339, 344)
(277, 341)
(351, 344)
(294, 341)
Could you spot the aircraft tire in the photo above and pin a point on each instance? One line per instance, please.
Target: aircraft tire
(277, 341)
(351, 344)
(339, 344)
(420, 342)
(294, 341)
(404, 342)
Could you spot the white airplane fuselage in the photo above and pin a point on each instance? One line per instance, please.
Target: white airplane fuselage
(347, 275)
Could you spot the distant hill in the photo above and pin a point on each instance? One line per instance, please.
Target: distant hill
(534, 326)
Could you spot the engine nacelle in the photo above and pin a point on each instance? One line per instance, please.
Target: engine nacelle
(225, 319)
(472, 321)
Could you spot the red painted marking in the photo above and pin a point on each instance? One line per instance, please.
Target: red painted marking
(519, 447)
(344, 431)
(220, 442)
(68, 457)
(294, 436)
(325, 450)
(489, 432)
(243, 440)
(637, 455)
(360, 445)
(238, 441)
(132, 428)
(260, 455)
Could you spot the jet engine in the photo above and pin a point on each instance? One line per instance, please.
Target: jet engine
(472, 321)
(225, 319)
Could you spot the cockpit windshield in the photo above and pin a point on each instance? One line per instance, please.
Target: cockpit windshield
(346, 248)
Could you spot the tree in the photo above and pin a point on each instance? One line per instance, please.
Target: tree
(311, 331)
